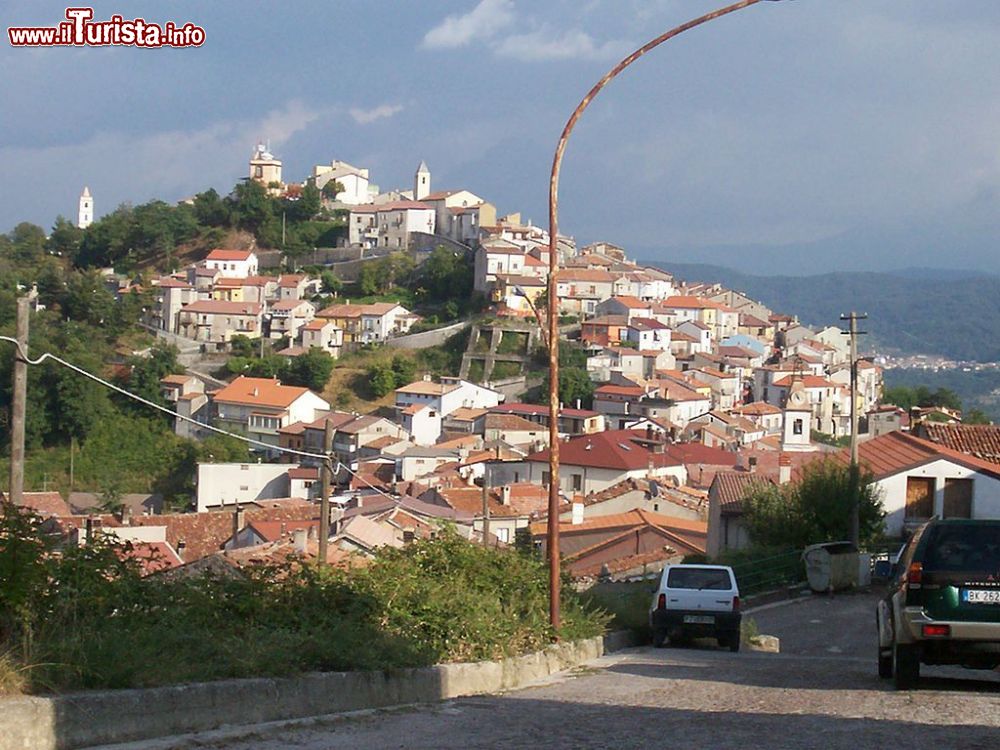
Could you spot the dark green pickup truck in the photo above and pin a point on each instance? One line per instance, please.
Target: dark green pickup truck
(943, 604)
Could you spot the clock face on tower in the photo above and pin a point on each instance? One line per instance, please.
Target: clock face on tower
(797, 399)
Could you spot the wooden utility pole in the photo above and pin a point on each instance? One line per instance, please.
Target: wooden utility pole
(853, 332)
(18, 405)
(324, 503)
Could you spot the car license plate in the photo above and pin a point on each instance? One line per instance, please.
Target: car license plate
(981, 596)
(699, 619)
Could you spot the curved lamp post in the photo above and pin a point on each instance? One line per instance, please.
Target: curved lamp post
(553, 319)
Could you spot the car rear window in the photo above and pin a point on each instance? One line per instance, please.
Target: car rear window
(963, 547)
(698, 578)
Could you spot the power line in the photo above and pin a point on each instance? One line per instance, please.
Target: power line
(153, 405)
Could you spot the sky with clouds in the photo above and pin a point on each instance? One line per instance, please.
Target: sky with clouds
(847, 134)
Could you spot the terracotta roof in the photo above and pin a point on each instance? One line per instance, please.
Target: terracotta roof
(511, 422)
(44, 504)
(318, 324)
(260, 392)
(696, 453)
(427, 388)
(289, 304)
(172, 284)
(271, 531)
(176, 379)
(897, 451)
(304, 472)
(585, 274)
(464, 413)
(979, 440)
(525, 499)
(220, 254)
(730, 487)
(152, 557)
(535, 409)
(196, 535)
(756, 409)
(809, 381)
(609, 389)
(751, 321)
(633, 303)
(621, 450)
(647, 324)
(689, 302)
(684, 528)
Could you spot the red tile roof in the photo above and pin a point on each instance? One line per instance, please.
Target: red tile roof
(621, 450)
(979, 440)
(731, 487)
(220, 254)
(260, 392)
(896, 452)
(44, 504)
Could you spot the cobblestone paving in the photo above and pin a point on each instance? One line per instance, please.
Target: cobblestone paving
(820, 692)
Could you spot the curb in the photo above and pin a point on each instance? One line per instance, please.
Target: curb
(107, 717)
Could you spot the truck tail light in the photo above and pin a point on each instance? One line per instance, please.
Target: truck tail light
(736, 604)
(936, 631)
(661, 602)
(914, 575)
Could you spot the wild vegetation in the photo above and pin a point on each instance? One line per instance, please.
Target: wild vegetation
(85, 618)
(817, 508)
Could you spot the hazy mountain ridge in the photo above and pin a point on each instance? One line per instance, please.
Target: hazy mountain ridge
(958, 318)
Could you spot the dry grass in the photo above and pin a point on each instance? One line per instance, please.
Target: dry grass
(13, 676)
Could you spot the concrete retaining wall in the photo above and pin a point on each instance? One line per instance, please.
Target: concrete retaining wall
(428, 338)
(81, 720)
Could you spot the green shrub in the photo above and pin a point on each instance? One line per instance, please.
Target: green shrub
(87, 619)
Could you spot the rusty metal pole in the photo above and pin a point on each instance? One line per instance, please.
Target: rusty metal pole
(19, 404)
(552, 542)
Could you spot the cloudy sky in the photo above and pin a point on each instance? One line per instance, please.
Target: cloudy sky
(813, 134)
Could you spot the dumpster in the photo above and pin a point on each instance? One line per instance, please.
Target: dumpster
(831, 566)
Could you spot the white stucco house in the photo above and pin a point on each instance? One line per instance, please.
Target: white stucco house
(920, 479)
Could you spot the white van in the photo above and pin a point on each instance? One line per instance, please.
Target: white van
(696, 601)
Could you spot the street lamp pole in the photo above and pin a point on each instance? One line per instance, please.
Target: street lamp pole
(552, 543)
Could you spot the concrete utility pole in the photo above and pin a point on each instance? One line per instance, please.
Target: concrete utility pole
(326, 473)
(853, 332)
(553, 296)
(18, 405)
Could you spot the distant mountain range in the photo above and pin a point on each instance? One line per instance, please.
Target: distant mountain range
(955, 314)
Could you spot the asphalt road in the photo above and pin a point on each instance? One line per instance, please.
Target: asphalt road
(821, 691)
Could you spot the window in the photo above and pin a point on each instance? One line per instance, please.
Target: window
(546, 478)
(503, 535)
(919, 498)
(258, 171)
(957, 498)
(577, 483)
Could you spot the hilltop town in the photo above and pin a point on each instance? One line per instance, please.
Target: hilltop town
(679, 396)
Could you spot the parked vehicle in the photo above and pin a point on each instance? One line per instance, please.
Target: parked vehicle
(943, 604)
(696, 601)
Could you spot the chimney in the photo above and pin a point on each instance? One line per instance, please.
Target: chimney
(505, 495)
(784, 469)
(125, 516)
(256, 391)
(577, 514)
(299, 537)
(237, 521)
(752, 464)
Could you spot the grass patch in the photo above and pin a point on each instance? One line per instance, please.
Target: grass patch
(502, 370)
(513, 342)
